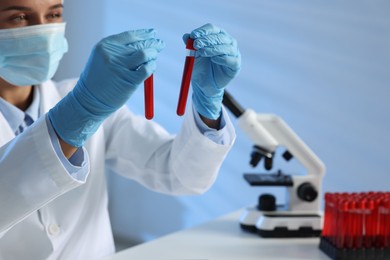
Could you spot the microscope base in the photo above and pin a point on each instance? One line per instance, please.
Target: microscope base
(280, 232)
(281, 223)
(284, 232)
(249, 228)
(289, 225)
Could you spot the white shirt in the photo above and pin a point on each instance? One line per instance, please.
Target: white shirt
(49, 214)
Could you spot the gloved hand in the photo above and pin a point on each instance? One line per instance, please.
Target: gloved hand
(116, 66)
(217, 62)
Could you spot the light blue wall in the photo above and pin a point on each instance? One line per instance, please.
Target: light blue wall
(323, 66)
(84, 27)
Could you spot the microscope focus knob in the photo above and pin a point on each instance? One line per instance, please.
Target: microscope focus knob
(267, 202)
(307, 192)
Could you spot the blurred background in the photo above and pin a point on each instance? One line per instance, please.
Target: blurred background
(323, 66)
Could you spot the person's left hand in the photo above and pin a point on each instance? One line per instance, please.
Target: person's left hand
(217, 62)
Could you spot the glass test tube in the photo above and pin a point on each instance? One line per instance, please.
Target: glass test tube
(186, 78)
(148, 96)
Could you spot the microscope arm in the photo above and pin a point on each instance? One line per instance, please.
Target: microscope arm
(247, 121)
(274, 128)
(269, 131)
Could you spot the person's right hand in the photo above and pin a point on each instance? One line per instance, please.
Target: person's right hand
(117, 66)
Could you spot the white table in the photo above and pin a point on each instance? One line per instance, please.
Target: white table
(222, 239)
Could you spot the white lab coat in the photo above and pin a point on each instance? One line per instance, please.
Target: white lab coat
(47, 214)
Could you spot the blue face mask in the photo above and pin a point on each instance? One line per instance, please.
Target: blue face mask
(30, 55)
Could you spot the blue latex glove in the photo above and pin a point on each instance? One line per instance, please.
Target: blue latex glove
(116, 67)
(217, 62)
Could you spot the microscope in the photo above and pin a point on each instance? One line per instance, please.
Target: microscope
(301, 215)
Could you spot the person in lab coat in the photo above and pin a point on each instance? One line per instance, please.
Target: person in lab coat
(57, 139)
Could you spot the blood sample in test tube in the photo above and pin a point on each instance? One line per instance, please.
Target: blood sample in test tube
(381, 220)
(186, 78)
(368, 234)
(327, 215)
(360, 217)
(334, 213)
(342, 220)
(376, 222)
(148, 96)
(387, 222)
(351, 223)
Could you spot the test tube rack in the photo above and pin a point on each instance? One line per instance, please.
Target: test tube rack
(356, 226)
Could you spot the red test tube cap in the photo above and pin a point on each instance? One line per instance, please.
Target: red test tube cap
(190, 44)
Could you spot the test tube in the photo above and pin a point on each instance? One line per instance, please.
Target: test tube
(368, 229)
(148, 96)
(350, 223)
(386, 217)
(342, 220)
(333, 219)
(186, 78)
(327, 215)
(360, 218)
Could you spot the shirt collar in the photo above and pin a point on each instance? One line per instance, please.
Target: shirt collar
(14, 116)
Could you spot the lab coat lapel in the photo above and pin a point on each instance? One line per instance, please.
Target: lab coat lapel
(6, 132)
(49, 96)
